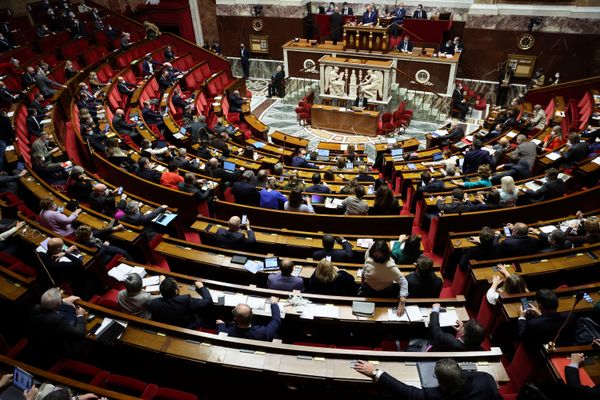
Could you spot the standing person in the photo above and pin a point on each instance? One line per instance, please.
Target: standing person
(504, 81)
(459, 102)
(347, 10)
(276, 85)
(336, 22)
(245, 60)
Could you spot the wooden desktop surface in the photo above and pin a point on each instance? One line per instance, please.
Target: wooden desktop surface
(353, 122)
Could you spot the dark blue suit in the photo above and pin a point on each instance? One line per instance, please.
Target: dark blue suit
(477, 386)
(369, 18)
(256, 332)
(301, 162)
(234, 240)
(475, 158)
(344, 255)
(181, 310)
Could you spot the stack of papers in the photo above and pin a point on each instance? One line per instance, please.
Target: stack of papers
(43, 247)
(178, 135)
(121, 271)
(253, 266)
(232, 300)
(596, 160)
(256, 303)
(448, 318)
(332, 202)
(547, 229)
(532, 186)
(553, 156)
(364, 243)
(411, 314)
(536, 141)
(216, 295)
(439, 133)
(512, 134)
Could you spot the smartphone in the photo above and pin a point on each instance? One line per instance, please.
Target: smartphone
(60, 209)
(507, 232)
(588, 298)
(120, 190)
(524, 303)
(244, 219)
(20, 166)
(494, 268)
(90, 317)
(22, 380)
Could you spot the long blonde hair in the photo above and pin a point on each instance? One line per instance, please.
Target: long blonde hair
(326, 272)
(508, 184)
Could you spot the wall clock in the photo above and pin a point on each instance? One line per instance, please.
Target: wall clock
(257, 24)
(525, 41)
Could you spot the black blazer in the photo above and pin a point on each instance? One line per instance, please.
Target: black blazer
(422, 288)
(149, 175)
(457, 96)
(234, 240)
(521, 245)
(343, 285)
(344, 255)
(574, 384)
(409, 46)
(357, 102)
(577, 153)
(256, 332)
(52, 336)
(141, 219)
(150, 116)
(125, 88)
(442, 341)
(537, 331)
(182, 310)
(475, 158)
(422, 16)
(477, 386)
(245, 193)
(33, 127)
(549, 190)
(123, 127)
(336, 22)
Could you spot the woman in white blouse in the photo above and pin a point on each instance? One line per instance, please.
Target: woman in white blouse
(508, 192)
(512, 284)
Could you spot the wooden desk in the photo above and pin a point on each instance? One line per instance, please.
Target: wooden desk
(332, 118)
(366, 38)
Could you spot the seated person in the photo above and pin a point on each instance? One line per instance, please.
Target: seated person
(577, 150)
(487, 247)
(334, 255)
(458, 100)
(538, 325)
(504, 282)
(96, 239)
(458, 203)
(476, 157)
(299, 160)
(298, 203)
(553, 187)
(370, 16)
(557, 240)
(317, 185)
(363, 175)
(245, 191)
(423, 282)
(235, 102)
(121, 125)
(329, 280)
(232, 238)
(469, 335)
(55, 220)
(196, 186)
(447, 48)
(146, 171)
(79, 185)
(124, 87)
(407, 249)
(270, 197)
(361, 100)
(103, 200)
(574, 385)
(178, 309)
(171, 177)
(133, 215)
(52, 334)
(284, 280)
(405, 46)
(243, 327)
(586, 231)
(520, 243)
(485, 175)
(134, 299)
(354, 204)
(452, 381)
(385, 203)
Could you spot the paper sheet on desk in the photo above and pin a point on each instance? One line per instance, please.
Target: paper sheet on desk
(448, 318)
(547, 229)
(253, 266)
(553, 156)
(392, 316)
(43, 247)
(151, 281)
(216, 295)
(326, 311)
(257, 303)
(596, 160)
(414, 313)
(232, 300)
(536, 141)
(153, 288)
(364, 243)
(331, 202)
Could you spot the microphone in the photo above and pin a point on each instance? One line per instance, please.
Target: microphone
(356, 133)
(552, 344)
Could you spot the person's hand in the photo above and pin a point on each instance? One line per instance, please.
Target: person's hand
(364, 367)
(402, 238)
(436, 305)
(78, 211)
(219, 321)
(199, 284)
(274, 300)
(118, 228)
(31, 394)
(88, 396)
(106, 243)
(534, 310)
(80, 311)
(522, 312)
(439, 198)
(5, 380)
(474, 239)
(401, 308)
(596, 344)
(577, 358)
(164, 206)
(71, 300)
(123, 196)
(502, 268)
(23, 172)
(20, 224)
(459, 327)
(161, 278)
(496, 280)
(510, 226)
(579, 215)
(534, 231)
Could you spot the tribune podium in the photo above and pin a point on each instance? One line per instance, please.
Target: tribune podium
(366, 38)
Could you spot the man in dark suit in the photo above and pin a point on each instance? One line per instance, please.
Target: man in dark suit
(520, 243)
(458, 101)
(428, 184)
(235, 102)
(198, 130)
(214, 169)
(152, 117)
(336, 255)
(179, 101)
(56, 329)
(181, 309)
(361, 100)
(5, 44)
(275, 88)
(578, 150)
(398, 19)
(232, 238)
(405, 46)
(370, 16)
(453, 383)
(33, 126)
(423, 282)
(122, 126)
(6, 96)
(148, 65)
(347, 10)
(487, 247)
(336, 22)
(574, 385)
(124, 87)
(476, 157)
(317, 185)
(243, 327)
(551, 189)
(164, 81)
(169, 53)
(299, 160)
(146, 171)
(420, 13)
(245, 191)
(447, 48)
(469, 335)
(539, 325)
(245, 60)
(133, 215)
(458, 203)
(28, 78)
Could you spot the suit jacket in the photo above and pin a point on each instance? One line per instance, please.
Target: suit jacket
(164, 83)
(150, 116)
(442, 341)
(434, 185)
(537, 331)
(235, 104)
(409, 46)
(477, 386)
(525, 151)
(549, 190)
(447, 50)
(521, 245)
(27, 80)
(182, 310)
(146, 65)
(169, 54)
(245, 57)
(52, 336)
(422, 288)
(336, 22)
(574, 385)
(422, 15)
(454, 207)
(256, 332)
(33, 126)
(475, 158)
(347, 11)
(123, 127)
(277, 78)
(369, 18)
(141, 219)
(457, 96)
(342, 285)
(234, 240)
(6, 96)
(246, 193)
(44, 83)
(577, 153)
(363, 103)
(480, 253)
(337, 255)
(125, 88)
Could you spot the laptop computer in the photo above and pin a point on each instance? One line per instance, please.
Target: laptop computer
(228, 166)
(317, 199)
(397, 154)
(323, 155)
(437, 156)
(271, 263)
(349, 165)
(22, 381)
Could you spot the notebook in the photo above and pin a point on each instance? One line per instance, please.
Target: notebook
(363, 308)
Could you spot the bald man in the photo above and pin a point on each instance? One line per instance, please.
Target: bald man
(232, 238)
(242, 323)
(69, 270)
(52, 333)
(103, 200)
(520, 243)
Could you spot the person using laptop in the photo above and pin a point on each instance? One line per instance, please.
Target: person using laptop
(360, 101)
(284, 279)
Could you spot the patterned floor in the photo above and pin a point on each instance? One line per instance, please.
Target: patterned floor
(282, 117)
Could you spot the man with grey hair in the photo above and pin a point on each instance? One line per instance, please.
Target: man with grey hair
(245, 191)
(526, 150)
(198, 130)
(133, 215)
(56, 328)
(133, 299)
(232, 238)
(538, 121)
